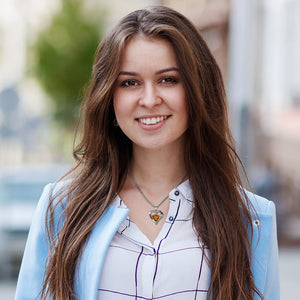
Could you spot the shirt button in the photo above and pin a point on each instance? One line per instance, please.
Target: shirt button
(171, 219)
(176, 193)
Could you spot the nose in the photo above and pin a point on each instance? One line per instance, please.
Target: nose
(150, 96)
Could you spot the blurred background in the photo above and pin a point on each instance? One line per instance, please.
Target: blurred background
(46, 55)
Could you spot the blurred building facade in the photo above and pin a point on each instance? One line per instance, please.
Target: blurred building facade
(24, 110)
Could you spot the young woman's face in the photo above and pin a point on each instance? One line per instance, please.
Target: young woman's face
(149, 98)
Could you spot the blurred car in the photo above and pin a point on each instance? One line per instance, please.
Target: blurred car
(20, 190)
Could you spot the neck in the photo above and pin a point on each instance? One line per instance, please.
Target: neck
(158, 167)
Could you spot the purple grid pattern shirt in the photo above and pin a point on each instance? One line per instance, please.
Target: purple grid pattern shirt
(172, 268)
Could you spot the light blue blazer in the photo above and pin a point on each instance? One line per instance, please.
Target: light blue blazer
(264, 246)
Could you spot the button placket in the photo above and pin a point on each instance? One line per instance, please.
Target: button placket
(173, 205)
(147, 271)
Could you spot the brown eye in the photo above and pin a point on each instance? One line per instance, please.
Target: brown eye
(128, 83)
(169, 80)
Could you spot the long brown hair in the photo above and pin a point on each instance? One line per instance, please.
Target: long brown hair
(222, 212)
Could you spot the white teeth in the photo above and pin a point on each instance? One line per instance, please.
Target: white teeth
(152, 121)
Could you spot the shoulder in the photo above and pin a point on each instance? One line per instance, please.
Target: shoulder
(55, 191)
(264, 245)
(53, 195)
(260, 205)
(37, 246)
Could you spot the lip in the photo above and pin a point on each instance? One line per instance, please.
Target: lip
(152, 127)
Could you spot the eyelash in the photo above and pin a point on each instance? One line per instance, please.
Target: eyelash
(169, 80)
(128, 83)
(164, 80)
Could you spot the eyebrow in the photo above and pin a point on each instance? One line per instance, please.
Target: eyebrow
(158, 72)
(167, 70)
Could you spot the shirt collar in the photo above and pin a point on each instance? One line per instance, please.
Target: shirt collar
(186, 190)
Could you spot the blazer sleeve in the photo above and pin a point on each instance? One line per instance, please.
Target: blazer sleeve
(265, 259)
(272, 287)
(32, 269)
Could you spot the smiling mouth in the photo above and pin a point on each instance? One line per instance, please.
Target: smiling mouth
(152, 121)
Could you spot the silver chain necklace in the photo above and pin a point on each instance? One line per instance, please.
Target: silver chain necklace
(154, 214)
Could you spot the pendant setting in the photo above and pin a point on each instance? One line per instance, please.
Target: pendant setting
(156, 215)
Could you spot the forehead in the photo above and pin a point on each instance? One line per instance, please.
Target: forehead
(144, 51)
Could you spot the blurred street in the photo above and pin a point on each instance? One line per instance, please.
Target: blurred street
(289, 263)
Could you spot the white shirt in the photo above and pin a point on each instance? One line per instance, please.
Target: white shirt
(173, 268)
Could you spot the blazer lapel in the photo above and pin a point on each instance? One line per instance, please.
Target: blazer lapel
(88, 270)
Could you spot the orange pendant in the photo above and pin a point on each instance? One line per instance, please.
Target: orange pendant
(155, 215)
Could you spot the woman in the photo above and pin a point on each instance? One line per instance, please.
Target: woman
(154, 209)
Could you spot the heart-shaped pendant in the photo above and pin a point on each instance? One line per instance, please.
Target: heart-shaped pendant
(155, 215)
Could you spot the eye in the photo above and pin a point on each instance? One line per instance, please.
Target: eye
(128, 83)
(168, 80)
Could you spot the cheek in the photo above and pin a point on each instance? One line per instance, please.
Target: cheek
(123, 111)
(181, 103)
(118, 104)
(115, 105)
(183, 108)
(124, 104)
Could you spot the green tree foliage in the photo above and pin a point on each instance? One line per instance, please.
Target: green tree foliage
(64, 55)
